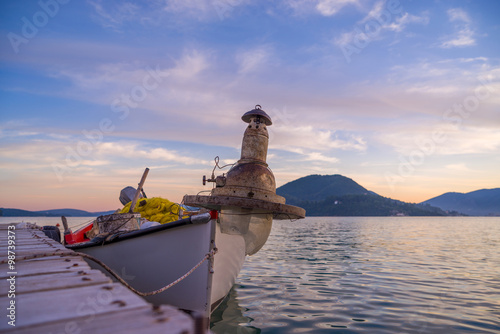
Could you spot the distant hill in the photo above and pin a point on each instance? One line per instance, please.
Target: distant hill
(337, 195)
(7, 212)
(484, 202)
(367, 205)
(320, 187)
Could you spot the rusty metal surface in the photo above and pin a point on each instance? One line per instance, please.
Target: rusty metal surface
(247, 117)
(250, 180)
(249, 184)
(279, 211)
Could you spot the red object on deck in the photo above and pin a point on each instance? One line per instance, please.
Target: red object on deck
(78, 236)
(214, 214)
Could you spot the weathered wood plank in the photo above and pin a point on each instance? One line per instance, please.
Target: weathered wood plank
(144, 320)
(56, 305)
(55, 281)
(41, 246)
(20, 255)
(5, 227)
(29, 246)
(28, 241)
(33, 243)
(47, 266)
(62, 294)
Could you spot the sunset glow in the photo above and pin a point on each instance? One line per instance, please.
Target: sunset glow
(401, 96)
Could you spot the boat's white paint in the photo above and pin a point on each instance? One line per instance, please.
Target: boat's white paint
(228, 263)
(152, 261)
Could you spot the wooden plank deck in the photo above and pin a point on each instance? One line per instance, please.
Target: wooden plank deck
(62, 294)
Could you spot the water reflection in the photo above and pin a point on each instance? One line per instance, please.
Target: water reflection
(371, 275)
(228, 318)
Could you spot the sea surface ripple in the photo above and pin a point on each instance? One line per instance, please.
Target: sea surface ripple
(370, 275)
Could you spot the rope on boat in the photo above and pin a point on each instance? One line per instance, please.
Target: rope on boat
(121, 280)
(155, 292)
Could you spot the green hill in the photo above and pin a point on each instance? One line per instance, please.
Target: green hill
(367, 205)
(320, 187)
(337, 195)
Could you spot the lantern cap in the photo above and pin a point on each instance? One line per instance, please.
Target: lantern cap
(257, 112)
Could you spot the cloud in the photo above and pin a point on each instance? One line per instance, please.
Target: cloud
(116, 15)
(317, 156)
(192, 8)
(300, 139)
(135, 150)
(458, 14)
(149, 85)
(464, 34)
(460, 167)
(378, 20)
(332, 7)
(203, 10)
(454, 78)
(322, 7)
(393, 18)
(465, 37)
(452, 140)
(250, 61)
(190, 64)
(400, 23)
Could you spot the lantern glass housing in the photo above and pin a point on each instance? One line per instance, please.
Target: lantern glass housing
(253, 224)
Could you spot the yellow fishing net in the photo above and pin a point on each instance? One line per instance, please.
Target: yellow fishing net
(156, 209)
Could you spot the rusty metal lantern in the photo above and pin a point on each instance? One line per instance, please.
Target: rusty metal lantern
(246, 196)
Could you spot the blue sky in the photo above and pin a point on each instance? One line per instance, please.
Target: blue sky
(401, 96)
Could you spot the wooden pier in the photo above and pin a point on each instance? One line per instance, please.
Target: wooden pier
(62, 294)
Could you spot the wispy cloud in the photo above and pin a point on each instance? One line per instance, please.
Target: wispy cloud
(395, 20)
(464, 33)
(455, 141)
(253, 59)
(317, 156)
(379, 20)
(456, 77)
(114, 16)
(203, 10)
(301, 139)
(193, 8)
(460, 167)
(402, 22)
(332, 7)
(190, 64)
(458, 14)
(322, 7)
(130, 149)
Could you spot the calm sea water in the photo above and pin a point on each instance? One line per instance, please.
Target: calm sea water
(364, 275)
(370, 275)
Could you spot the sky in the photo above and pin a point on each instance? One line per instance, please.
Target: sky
(401, 96)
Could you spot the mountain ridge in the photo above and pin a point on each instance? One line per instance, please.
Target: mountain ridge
(318, 187)
(337, 195)
(482, 202)
(10, 212)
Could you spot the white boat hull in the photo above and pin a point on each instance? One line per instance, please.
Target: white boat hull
(229, 260)
(151, 261)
